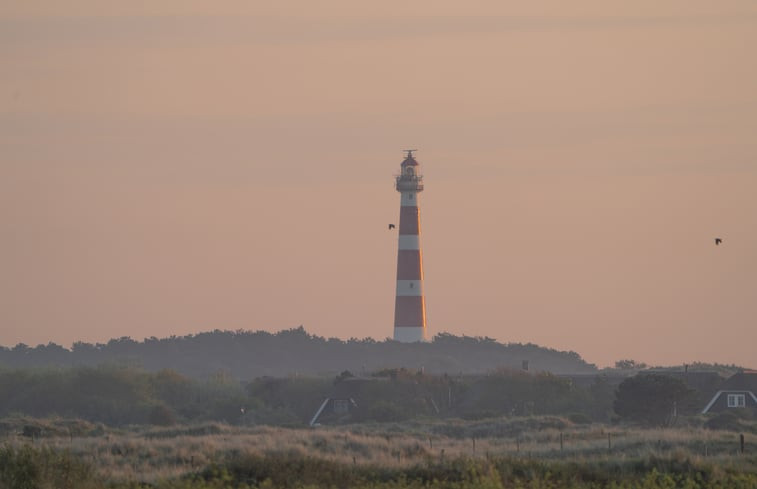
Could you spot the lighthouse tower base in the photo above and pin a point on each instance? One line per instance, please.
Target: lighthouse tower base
(409, 334)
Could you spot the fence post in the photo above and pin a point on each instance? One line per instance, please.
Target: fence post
(561, 443)
(741, 442)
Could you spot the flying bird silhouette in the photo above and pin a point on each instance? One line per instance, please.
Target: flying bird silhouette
(391, 226)
(718, 241)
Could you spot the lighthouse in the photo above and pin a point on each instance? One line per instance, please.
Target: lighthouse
(410, 304)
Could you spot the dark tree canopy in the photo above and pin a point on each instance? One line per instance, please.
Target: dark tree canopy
(249, 354)
(650, 398)
(628, 364)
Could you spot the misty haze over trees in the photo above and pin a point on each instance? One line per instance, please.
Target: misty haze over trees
(247, 354)
(251, 378)
(122, 395)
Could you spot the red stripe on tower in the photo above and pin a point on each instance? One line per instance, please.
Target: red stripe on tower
(410, 305)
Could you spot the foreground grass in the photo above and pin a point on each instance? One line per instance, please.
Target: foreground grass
(538, 452)
(29, 467)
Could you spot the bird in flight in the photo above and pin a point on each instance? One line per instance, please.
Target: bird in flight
(718, 241)
(391, 226)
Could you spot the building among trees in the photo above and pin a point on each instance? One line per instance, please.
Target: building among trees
(738, 392)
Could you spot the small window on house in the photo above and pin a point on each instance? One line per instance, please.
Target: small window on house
(736, 400)
(410, 196)
(341, 406)
(411, 285)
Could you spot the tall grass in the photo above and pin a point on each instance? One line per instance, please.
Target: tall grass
(28, 467)
(503, 452)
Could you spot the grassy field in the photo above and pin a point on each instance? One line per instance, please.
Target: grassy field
(545, 452)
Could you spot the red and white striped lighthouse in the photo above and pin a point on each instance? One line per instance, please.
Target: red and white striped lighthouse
(410, 305)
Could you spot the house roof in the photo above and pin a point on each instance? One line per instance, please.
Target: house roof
(742, 381)
(745, 381)
(353, 386)
(719, 393)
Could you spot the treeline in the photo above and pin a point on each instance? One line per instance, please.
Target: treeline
(118, 396)
(248, 354)
(125, 395)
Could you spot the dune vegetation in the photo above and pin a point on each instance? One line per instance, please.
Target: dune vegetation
(528, 452)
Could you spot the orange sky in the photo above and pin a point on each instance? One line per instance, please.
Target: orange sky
(174, 167)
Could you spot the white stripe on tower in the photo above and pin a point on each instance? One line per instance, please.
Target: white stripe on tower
(410, 304)
(410, 242)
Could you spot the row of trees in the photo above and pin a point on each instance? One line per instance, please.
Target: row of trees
(126, 395)
(115, 395)
(251, 354)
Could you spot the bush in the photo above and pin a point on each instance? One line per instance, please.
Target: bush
(579, 418)
(385, 411)
(650, 398)
(31, 468)
(162, 415)
(728, 421)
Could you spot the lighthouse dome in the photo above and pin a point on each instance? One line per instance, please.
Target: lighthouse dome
(409, 161)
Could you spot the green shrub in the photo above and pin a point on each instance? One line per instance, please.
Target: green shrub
(385, 411)
(31, 468)
(731, 421)
(162, 415)
(579, 418)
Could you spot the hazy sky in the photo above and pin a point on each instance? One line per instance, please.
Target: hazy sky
(175, 167)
